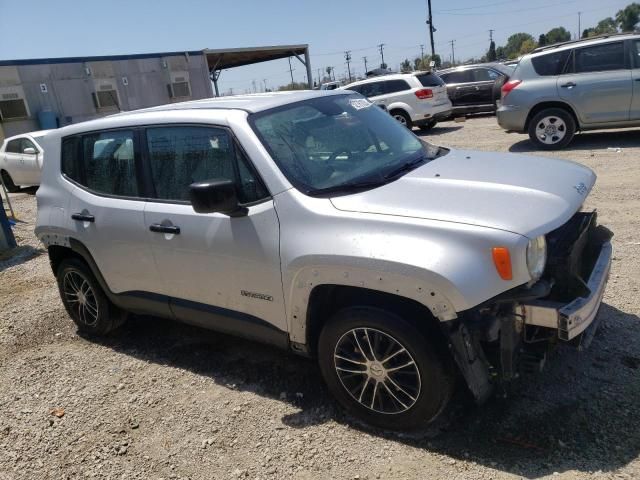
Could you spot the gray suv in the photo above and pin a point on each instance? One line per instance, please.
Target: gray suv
(584, 85)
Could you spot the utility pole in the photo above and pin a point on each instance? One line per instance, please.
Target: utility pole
(253, 83)
(453, 53)
(290, 71)
(421, 52)
(431, 30)
(265, 84)
(347, 57)
(319, 78)
(579, 26)
(381, 48)
(365, 65)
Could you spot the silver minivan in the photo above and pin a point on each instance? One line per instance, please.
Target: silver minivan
(576, 86)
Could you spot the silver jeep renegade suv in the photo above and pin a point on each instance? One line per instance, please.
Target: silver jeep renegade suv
(315, 222)
(584, 85)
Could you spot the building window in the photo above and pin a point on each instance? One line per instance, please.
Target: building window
(12, 107)
(179, 88)
(106, 98)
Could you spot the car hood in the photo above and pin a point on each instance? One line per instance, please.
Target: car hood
(522, 194)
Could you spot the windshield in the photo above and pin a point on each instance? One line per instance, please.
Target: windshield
(339, 143)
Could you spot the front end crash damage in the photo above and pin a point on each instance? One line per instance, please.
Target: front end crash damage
(511, 334)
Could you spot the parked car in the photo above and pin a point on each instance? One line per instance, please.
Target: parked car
(475, 88)
(414, 99)
(21, 158)
(575, 86)
(329, 86)
(315, 222)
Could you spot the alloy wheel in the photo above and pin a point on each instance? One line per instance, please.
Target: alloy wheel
(401, 119)
(80, 297)
(377, 371)
(551, 130)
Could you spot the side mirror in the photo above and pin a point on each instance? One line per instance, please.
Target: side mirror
(216, 195)
(29, 151)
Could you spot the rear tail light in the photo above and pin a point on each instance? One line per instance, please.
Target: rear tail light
(510, 85)
(424, 93)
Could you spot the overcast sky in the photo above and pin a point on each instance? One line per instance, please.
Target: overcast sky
(59, 28)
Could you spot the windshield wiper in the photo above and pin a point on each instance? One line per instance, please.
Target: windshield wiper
(406, 167)
(347, 187)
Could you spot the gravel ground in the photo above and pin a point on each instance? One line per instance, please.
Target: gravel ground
(164, 400)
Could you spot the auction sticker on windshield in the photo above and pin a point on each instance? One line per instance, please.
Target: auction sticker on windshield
(360, 103)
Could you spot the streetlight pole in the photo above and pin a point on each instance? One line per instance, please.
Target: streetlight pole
(431, 30)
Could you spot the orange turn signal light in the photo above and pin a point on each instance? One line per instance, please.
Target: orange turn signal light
(502, 261)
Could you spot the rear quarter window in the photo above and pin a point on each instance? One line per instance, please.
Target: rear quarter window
(551, 63)
(430, 80)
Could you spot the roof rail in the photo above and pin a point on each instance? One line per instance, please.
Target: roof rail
(570, 42)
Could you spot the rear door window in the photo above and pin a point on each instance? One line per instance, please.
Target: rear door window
(600, 58)
(394, 86)
(13, 146)
(109, 163)
(372, 89)
(430, 80)
(550, 64)
(636, 53)
(462, 76)
(483, 75)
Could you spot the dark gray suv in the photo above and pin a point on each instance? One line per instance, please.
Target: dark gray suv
(583, 85)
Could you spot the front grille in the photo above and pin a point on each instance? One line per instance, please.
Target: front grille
(571, 254)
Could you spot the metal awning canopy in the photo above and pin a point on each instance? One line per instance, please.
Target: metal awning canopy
(221, 59)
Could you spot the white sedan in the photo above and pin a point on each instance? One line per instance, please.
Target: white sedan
(21, 158)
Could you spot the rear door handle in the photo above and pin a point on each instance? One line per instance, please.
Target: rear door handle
(158, 228)
(568, 85)
(82, 217)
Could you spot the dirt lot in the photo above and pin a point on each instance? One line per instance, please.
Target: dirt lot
(164, 400)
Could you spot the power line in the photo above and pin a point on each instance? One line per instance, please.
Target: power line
(555, 4)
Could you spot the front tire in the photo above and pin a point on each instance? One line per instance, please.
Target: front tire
(8, 182)
(552, 129)
(85, 301)
(402, 117)
(382, 369)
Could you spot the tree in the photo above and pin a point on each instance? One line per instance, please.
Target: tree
(491, 54)
(542, 40)
(405, 66)
(557, 35)
(527, 46)
(437, 60)
(514, 44)
(588, 32)
(501, 54)
(607, 25)
(629, 17)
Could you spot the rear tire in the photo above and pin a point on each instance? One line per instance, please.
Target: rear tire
(552, 129)
(8, 182)
(85, 301)
(382, 369)
(402, 117)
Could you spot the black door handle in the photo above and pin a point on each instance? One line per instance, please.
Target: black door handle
(82, 217)
(568, 85)
(157, 228)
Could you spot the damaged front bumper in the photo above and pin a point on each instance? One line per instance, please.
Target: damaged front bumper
(572, 319)
(512, 333)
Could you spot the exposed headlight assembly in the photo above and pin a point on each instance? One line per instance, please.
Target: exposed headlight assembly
(537, 257)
